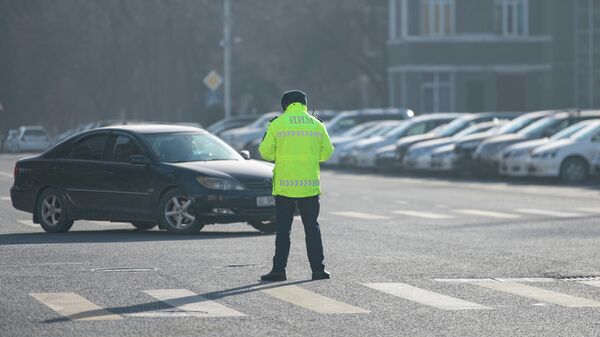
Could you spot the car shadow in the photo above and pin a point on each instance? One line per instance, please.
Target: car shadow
(116, 235)
(157, 305)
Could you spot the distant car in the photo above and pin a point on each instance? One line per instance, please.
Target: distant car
(10, 142)
(516, 157)
(239, 138)
(31, 139)
(349, 119)
(364, 152)
(570, 158)
(231, 123)
(465, 148)
(418, 156)
(489, 153)
(178, 177)
(447, 130)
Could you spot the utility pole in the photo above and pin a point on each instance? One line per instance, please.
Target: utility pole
(227, 43)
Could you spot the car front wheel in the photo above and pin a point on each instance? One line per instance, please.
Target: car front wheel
(574, 170)
(176, 213)
(52, 213)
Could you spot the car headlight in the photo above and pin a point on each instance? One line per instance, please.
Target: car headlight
(219, 183)
(549, 154)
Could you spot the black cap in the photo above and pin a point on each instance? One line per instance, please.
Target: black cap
(292, 96)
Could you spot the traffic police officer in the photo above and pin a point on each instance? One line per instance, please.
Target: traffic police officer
(297, 142)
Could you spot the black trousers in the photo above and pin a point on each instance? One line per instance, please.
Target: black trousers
(309, 212)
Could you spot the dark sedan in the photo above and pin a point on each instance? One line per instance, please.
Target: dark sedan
(179, 178)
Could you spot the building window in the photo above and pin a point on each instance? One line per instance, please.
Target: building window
(437, 17)
(437, 92)
(587, 54)
(398, 18)
(512, 17)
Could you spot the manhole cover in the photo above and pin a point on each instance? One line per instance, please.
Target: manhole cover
(580, 278)
(123, 270)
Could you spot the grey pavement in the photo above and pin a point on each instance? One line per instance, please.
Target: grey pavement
(409, 255)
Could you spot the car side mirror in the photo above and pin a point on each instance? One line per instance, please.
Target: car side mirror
(245, 154)
(139, 159)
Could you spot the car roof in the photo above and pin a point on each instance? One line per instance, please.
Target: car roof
(433, 116)
(152, 128)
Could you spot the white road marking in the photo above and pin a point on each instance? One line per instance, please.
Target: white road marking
(540, 294)
(548, 213)
(490, 280)
(594, 283)
(6, 175)
(107, 223)
(28, 223)
(359, 215)
(312, 301)
(401, 202)
(589, 210)
(488, 214)
(425, 297)
(426, 215)
(192, 304)
(442, 206)
(5, 198)
(74, 307)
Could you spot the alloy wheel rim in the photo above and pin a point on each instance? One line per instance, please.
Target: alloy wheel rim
(575, 172)
(179, 213)
(51, 210)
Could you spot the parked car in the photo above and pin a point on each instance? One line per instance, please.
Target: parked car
(596, 163)
(31, 139)
(448, 130)
(516, 157)
(418, 156)
(178, 177)
(238, 138)
(10, 143)
(464, 149)
(363, 152)
(231, 123)
(348, 119)
(489, 153)
(569, 158)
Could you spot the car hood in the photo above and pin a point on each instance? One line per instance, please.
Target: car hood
(474, 137)
(387, 148)
(527, 145)
(341, 140)
(360, 144)
(240, 132)
(410, 140)
(557, 144)
(510, 138)
(433, 143)
(241, 170)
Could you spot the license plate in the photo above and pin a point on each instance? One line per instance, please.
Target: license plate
(265, 201)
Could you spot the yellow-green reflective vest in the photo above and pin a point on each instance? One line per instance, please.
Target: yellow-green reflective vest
(297, 142)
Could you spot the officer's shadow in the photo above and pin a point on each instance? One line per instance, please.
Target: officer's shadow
(158, 306)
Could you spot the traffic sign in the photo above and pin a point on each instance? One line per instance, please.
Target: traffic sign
(213, 80)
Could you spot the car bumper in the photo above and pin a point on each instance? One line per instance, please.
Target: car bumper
(443, 164)
(228, 208)
(514, 168)
(486, 166)
(418, 163)
(540, 168)
(387, 163)
(23, 200)
(365, 160)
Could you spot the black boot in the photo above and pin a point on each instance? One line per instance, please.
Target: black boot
(274, 276)
(321, 275)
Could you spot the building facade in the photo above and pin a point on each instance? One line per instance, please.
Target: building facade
(494, 55)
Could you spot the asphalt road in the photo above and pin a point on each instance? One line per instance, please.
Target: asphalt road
(409, 257)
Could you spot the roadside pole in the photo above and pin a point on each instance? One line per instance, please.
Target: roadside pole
(227, 56)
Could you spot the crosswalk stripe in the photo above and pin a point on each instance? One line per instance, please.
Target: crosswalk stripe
(5, 198)
(425, 297)
(589, 210)
(191, 303)
(426, 215)
(595, 283)
(540, 294)
(359, 215)
(74, 307)
(6, 174)
(549, 213)
(312, 301)
(488, 280)
(28, 223)
(489, 214)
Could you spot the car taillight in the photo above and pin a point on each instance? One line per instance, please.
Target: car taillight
(16, 171)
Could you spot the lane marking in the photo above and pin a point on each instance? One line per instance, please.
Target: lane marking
(74, 307)
(28, 223)
(425, 297)
(312, 301)
(594, 283)
(6, 174)
(359, 215)
(426, 215)
(5, 198)
(540, 294)
(107, 223)
(589, 210)
(192, 304)
(490, 280)
(489, 214)
(548, 213)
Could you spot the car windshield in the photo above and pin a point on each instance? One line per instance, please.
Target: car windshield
(187, 147)
(586, 132)
(35, 133)
(568, 132)
(359, 129)
(399, 129)
(341, 123)
(517, 124)
(452, 128)
(537, 129)
(481, 127)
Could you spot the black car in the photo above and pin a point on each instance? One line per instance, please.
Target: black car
(179, 178)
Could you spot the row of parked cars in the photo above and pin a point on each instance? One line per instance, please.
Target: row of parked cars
(553, 143)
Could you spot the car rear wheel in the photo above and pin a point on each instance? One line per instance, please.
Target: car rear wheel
(177, 213)
(574, 170)
(143, 225)
(268, 226)
(52, 213)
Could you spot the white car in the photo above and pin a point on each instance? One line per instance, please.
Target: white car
(596, 163)
(443, 158)
(570, 158)
(32, 139)
(10, 143)
(516, 157)
(239, 137)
